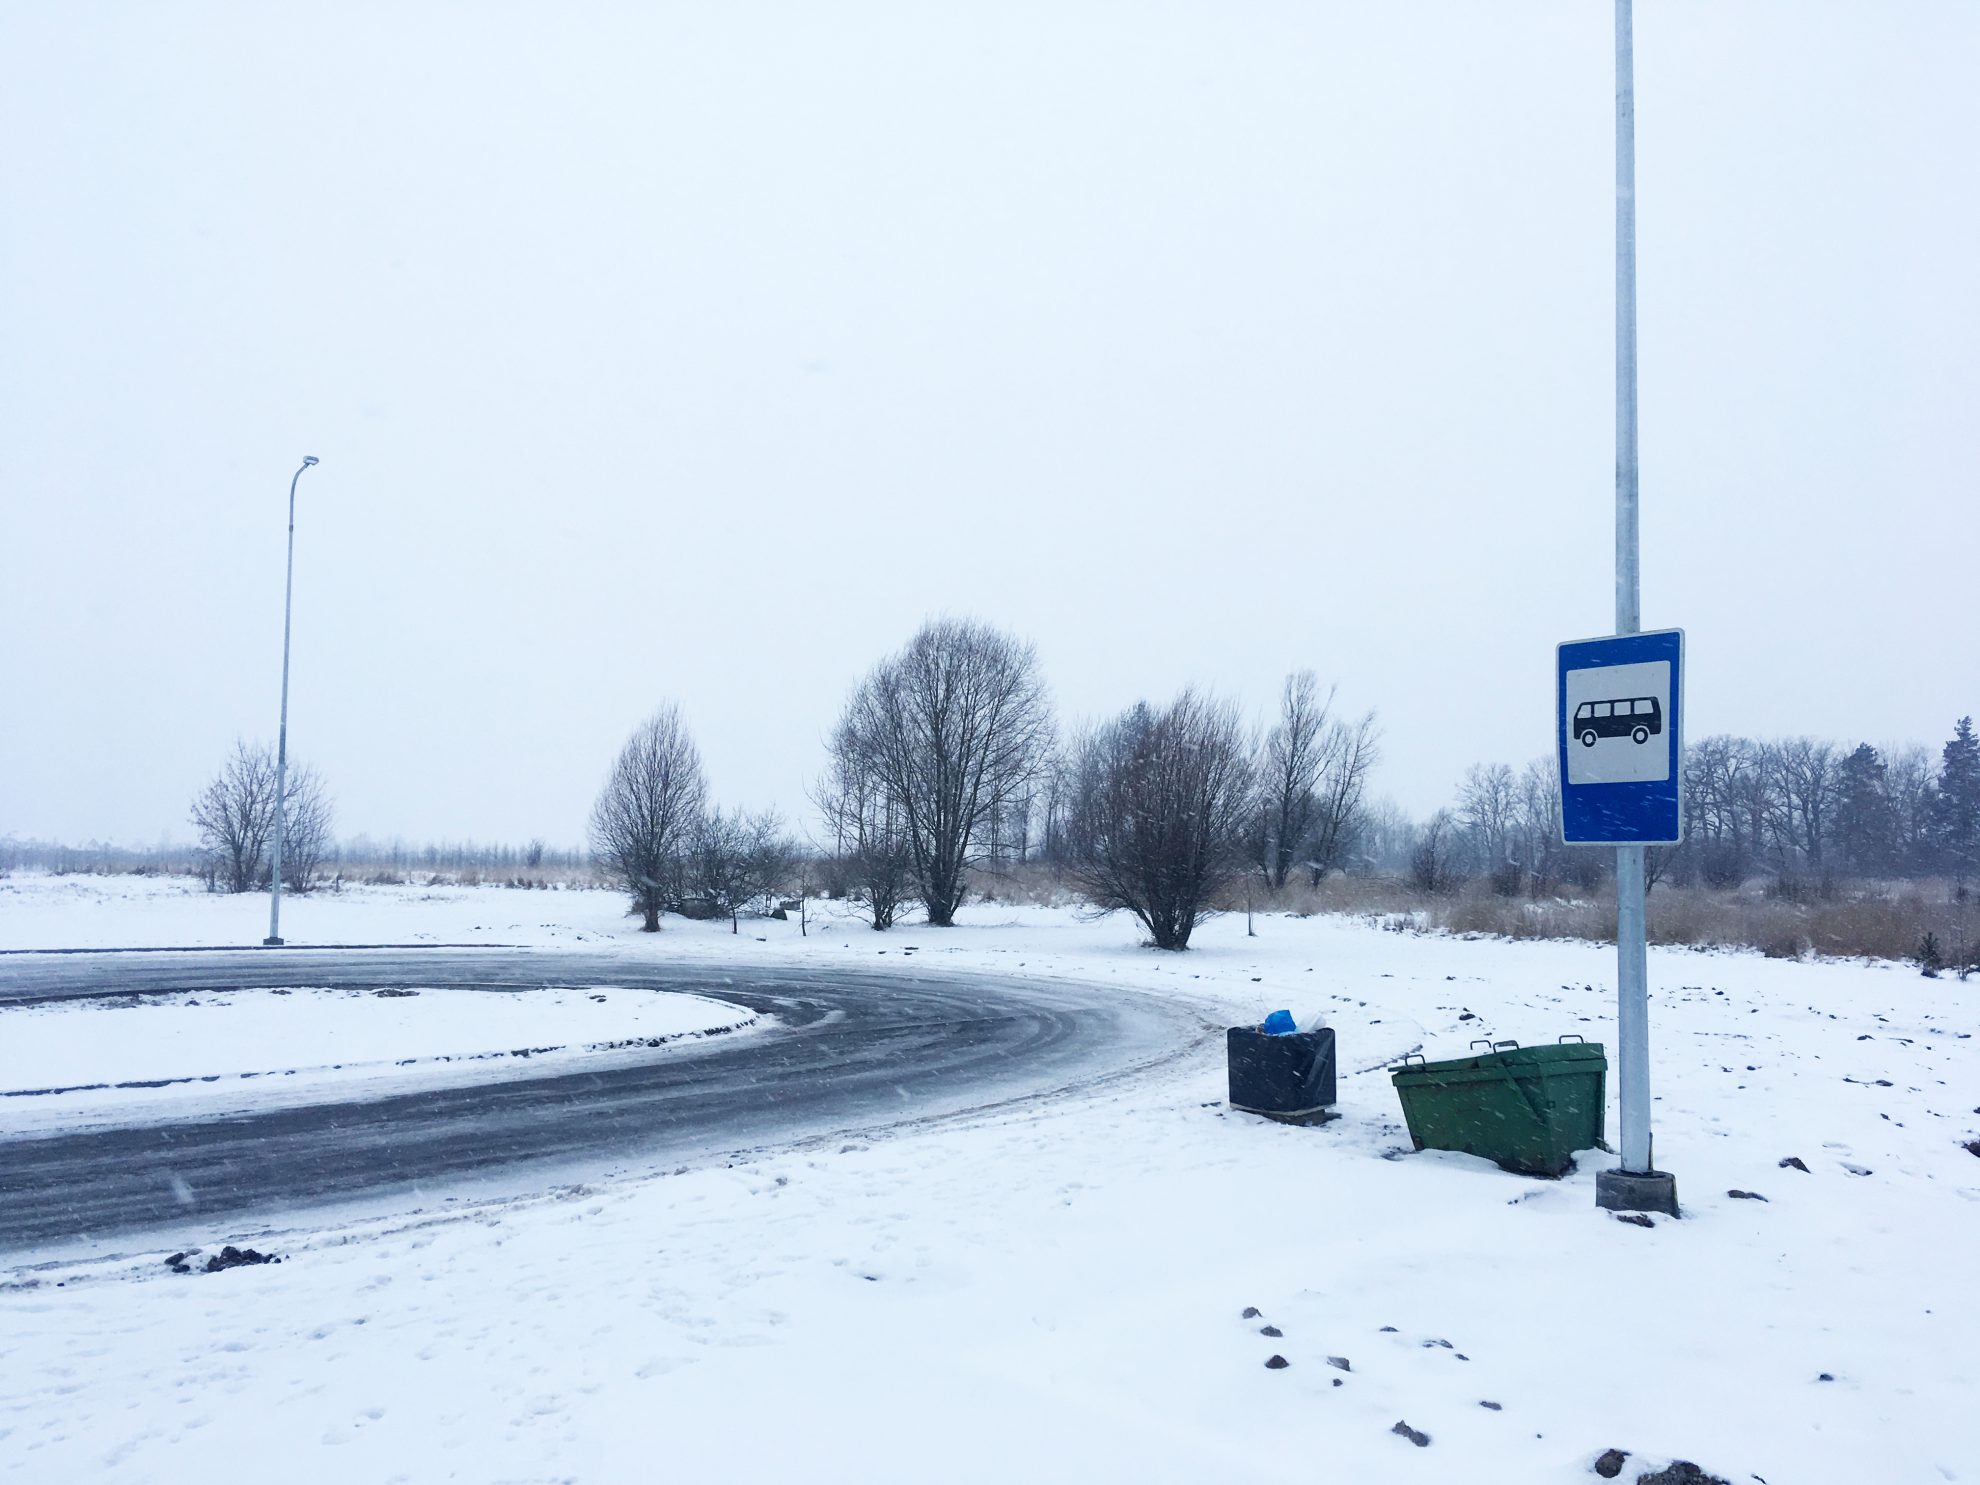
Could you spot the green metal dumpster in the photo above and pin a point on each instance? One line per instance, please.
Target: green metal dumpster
(1526, 1109)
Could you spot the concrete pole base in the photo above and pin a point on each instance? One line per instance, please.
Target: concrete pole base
(271, 943)
(1637, 1191)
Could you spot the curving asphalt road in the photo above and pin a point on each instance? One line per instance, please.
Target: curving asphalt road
(854, 1048)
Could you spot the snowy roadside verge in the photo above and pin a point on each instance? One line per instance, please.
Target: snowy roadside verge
(1054, 1290)
(1063, 1285)
(78, 1064)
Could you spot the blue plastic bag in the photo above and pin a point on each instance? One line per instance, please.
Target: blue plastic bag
(1279, 1023)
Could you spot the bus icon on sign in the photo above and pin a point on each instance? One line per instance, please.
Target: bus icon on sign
(1638, 718)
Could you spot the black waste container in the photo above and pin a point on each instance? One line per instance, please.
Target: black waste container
(1288, 1077)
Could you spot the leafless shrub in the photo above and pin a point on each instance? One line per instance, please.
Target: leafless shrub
(1159, 806)
(1033, 884)
(734, 858)
(306, 822)
(1785, 946)
(647, 809)
(235, 818)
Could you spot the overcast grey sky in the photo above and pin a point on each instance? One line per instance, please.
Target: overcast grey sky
(701, 351)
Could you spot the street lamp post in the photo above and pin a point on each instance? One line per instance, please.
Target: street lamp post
(274, 938)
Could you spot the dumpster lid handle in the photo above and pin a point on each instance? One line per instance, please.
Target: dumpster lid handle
(1408, 1057)
(1508, 1042)
(1484, 1042)
(1568, 1036)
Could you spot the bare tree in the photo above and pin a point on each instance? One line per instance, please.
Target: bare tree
(870, 852)
(1348, 756)
(647, 810)
(1433, 866)
(1160, 801)
(1803, 777)
(1911, 795)
(734, 858)
(1289, 773)
(306, 821)
(949, 730)
(1386, 836)
(842, 797)
(1054, 792)
(235, 817)
(1537, 824)
(1721, 821)
(1488, 802)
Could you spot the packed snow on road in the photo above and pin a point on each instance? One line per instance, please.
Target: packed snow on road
(72, 1064)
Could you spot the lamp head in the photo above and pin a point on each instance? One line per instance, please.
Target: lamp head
(308, 459)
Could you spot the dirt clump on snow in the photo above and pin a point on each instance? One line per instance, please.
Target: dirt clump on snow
(228, 1257)
(1611, 1462)
(1415, 1435)
(1681, 1472)
(1793, 1162)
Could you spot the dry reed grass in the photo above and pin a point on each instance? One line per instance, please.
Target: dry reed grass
(1868, 920)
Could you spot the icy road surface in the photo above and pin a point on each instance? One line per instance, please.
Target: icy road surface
(850, 1049)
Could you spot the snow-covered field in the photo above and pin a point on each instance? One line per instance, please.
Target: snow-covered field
(1057, 1293)
(38, 911)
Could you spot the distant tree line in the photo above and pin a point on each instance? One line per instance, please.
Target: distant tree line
(397, 857)
(96, 858)
(1798, 811)
(946, 766)
(233, 819)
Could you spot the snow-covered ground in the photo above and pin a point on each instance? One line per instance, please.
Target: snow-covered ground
(1057, 1293)
(70, 1064)
(39, 911)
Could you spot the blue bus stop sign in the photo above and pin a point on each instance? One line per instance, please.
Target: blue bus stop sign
(1619, 725)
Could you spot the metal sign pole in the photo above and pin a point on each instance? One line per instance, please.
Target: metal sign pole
(1637, 1186)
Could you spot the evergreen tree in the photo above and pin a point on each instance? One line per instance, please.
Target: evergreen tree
(1959, 800)
(1865, 829)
